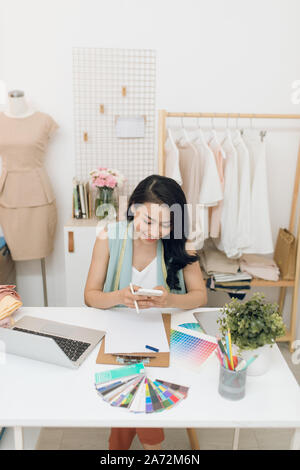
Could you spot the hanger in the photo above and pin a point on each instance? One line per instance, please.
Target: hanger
(227, 133)
(170, 136)
(238, 132)
(241, 131)
(213, 132)
(236, 123)
(185, 134)
(200, 132)
(200, 135)
(249, 127)
(227, 120)
(262, 135)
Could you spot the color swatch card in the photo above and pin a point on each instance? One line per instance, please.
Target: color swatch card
(167, 395)
(118, 373)
(138, 404)
(191, 348)
(178, 390)
(124, 398)
(192, 326)
(112, 388)
(137, 392)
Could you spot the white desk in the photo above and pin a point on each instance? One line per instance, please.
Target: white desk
(37, 394)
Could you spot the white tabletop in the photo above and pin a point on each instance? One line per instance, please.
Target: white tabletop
(34, 393)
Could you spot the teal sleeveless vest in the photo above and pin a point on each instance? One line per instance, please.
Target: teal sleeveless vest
(119, 271)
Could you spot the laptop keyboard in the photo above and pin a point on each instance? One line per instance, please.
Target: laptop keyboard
(72, 348)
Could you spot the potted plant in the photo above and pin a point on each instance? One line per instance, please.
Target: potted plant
(254, 325)
(106, 180)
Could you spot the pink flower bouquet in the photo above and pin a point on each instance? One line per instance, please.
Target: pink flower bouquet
(106, 178)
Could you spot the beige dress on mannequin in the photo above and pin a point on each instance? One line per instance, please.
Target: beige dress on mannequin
(27, 202)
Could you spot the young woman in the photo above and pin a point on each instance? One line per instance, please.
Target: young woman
(151, 250)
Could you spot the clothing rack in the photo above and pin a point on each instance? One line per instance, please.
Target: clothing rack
(281, 283)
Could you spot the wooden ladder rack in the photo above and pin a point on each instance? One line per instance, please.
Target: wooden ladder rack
(281, 283)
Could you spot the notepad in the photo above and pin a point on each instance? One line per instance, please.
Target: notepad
(128, 332)
(130, 127)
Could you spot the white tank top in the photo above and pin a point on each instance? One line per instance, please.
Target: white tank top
(147, 278)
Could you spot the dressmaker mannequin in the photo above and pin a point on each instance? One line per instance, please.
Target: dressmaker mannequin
(17, 107)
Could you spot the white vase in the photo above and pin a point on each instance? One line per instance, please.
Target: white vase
(261, 363)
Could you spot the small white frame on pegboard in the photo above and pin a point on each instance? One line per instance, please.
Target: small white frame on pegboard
(109, 84)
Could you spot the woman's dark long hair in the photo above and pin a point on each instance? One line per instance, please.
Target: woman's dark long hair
(162, 190)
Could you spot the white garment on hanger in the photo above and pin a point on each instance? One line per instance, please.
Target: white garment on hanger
(261, 233)
(229, 218)
(172, 169)
(190, 169)
(147, 278)
(210, 187)
(210, 191)
(244, 176)
(216, 211)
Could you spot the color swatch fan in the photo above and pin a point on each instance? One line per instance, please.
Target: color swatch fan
(129, 387)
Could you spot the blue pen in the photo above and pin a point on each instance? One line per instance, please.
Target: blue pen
(152, 348)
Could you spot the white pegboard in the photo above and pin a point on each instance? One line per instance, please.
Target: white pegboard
(99, 78)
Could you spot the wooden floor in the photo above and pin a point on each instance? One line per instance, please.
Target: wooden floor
(175, 439)
(210, 439)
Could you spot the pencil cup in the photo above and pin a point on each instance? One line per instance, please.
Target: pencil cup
(232, 384)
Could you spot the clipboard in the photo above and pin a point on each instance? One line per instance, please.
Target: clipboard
(155, 359)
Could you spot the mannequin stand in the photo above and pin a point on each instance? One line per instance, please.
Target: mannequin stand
(44, 282)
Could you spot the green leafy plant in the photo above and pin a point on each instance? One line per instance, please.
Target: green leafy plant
(253, 323)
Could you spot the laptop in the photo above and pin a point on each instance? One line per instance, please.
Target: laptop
(208, 321)
(50, 341)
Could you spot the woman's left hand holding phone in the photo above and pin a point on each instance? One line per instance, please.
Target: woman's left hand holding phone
(162, 300)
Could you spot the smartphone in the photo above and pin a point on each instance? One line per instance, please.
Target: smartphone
(149, 292)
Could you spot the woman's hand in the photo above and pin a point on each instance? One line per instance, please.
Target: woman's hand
(161, 301)
(127, 298)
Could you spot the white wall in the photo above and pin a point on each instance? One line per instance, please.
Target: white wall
(222, 56)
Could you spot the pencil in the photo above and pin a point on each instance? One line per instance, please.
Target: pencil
(219, 357)
(221, 345)
(227, 346)
(135, 302)
(241, 365)
(249, 361)
(222, 352)
(230, 350)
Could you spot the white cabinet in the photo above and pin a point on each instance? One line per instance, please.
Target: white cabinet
(79, 239)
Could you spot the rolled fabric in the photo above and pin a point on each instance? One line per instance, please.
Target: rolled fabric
(8, 305)
(11, 293)
(9, 289)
